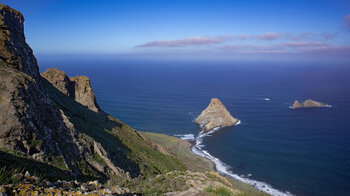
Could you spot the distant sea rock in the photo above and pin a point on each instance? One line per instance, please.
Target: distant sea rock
(308, 104)
(215, 115)
(79, 87)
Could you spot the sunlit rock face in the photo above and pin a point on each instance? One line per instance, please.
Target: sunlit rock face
(215, 115)
(79, 87)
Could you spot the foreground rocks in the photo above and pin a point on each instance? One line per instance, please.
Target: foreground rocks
(201, 183)
(215, 115)
(308, 104)
(29, 186)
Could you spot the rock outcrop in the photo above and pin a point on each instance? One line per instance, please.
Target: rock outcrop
(79, 87)
(308, 104)
(215, 115)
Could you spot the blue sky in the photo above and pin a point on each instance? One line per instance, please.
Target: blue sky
(220, 29)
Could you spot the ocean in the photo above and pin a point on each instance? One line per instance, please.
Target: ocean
(279, 150)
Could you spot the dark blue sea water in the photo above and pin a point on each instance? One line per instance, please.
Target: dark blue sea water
(305, 152)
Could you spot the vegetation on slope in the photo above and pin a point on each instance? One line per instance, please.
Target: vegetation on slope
(181, 150)
(127, 149)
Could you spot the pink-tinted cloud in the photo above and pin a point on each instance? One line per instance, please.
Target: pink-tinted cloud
(328, 36)
(242, 37)
(347, 20)
(300, 36)
(269, 36)
(193, 41)
(272, 36)
(287, 47)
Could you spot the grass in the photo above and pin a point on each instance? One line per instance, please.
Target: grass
(164, 140)
(124, 146)
(7, 174)
(199, 164)
(58, 161)
(159, 184)
(99, 159)
(215, 176)
(220, 191)
(181, 150)
(15, 163)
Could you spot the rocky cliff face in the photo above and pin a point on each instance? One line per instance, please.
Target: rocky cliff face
(44, 130)
(79, 87)
(308, 104)
(32, 123)
(14, 51)
(215, 115)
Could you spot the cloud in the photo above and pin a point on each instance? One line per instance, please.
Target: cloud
(193, 41)
(272, 36)
(269, 36)
(300, 36)
(347, 20)
(265, 37)
(328, 36)
(287, 47)
(242, 37)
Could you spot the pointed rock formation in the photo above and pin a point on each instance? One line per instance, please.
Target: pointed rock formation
(308, 104)
(79, 87)
(215, 115)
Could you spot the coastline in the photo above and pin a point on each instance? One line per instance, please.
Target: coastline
(182, 149)
(224, 169)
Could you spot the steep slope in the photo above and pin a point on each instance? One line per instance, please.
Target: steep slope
(40, 124)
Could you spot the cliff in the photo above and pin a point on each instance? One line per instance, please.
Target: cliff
(308, 104)
(78, 88)
(215, 115)
(47, 128)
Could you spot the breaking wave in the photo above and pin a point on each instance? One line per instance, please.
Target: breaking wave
(224, 169)
(188, 137)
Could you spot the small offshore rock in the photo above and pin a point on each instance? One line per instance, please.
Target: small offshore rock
(215, 115)
(309, 103)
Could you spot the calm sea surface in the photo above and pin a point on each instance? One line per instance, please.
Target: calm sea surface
(305, 152)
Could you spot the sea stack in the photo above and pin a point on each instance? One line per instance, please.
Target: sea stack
(215, 115)
(308, 104)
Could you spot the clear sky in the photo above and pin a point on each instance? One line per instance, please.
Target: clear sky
(302, 29)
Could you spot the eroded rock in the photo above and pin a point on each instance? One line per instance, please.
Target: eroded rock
(308, 104)
(79, 87)
(215, 115)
